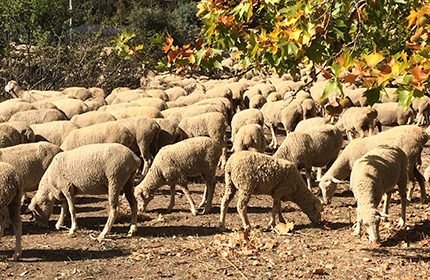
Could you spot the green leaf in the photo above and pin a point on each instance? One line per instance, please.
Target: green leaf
(373, 95)
(333, 87)
(405, 96)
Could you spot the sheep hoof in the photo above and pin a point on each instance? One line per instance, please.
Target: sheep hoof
(71, 232)
(16, 256)
(132, 231)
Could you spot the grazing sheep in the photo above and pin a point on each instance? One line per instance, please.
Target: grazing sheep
(391, 114)
(70, 106)
(9, 108)
(10, 203)
(24, 129)
(257, 101)
(172, 165)
(237, 90)
(93, 104)
(170, 133)
(30, 160)
(152, 102)
(316, 148)
(310, 124)
(158, 93)
(188, 100)
(107, 132)
(422, 107)
(247, 116)
(175, 92)
(224, 105)
(145, 131)
(9, 136)
(92, 117)
(221, 90)
(358, 119)
(374, 174)
(256, 173)
(409, 138)
(78, 93)
(213, 125)
(125, 94)
(250, 137)
(97, 92)
(15, 90)
(177, 114)
(274, 96)
(53, 132)
(103, 168)
(39, 116)
(272, 118)
(135, 111)
(356, 96)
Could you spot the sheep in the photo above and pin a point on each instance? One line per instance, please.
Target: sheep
(177, 114)
(53, 132)
(316, 148)
(15, 90)
(93, 104)
(25, 131)
(247, 116)
(356, 96)
(358, 119)
(257, 101)
(8, 108)
(39, 116)
(409, 138)
(158, 93)
(170, 133)
(136, 111)
(152, 102)
(174, 163)
(103, 168)
(310, 124)
(274, 96)
(175, 92)
(213, 125)
(257, 173)
(30, 160)
(9, 136)
(44, 104)
(224, 105)
(78, 93)
(10, 204)
(391, 114)
(272, 118)
(124, 93)
(71, 107)
(93, 117)
(97, 92)
(107, 132)
(422, 107)
(250, 137)
(145, 131)
(221, 90)
(374, 174)
(188, 100)
(237, 90)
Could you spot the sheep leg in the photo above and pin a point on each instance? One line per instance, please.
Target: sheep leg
(204, 196)
(308, 178)
(242, 205)
(209, 193)
(276, 210)
(129, 195)
(15, 218)
(60, 222)
(223, 158)
(70, 197)
(229, 193)
(349, 135)
(402, 193)
(186, 191)
(387, 199)
(113, 211)
(357, 226)
(172, 198)
(422, 183)
(273, 143)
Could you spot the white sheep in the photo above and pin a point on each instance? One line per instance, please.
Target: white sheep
(93, 104)
(170, 133)
(92, 117)
(15, 90)
(77, 92)
(358, 119)
(213, 125)
(250, 173)
(316, 148)
(53, 132)
(10, 203)
(309, 124)
(9, 107)
(70, 106)
(247, 116)
(250, 137)
(39, 116)
(175, 92)
(391, 114)
(9, 136)
(172, 165)
(373, 175)
(24, 129)
(410, 138)
(103, 168)
(257, 101)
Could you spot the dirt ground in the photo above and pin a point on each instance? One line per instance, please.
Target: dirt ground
(179, 245)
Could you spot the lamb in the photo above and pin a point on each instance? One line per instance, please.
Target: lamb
(358, 119)
(107, 132)
(174, 163)
(374, 174)
(409, 138)
(53, 132)
(30, 160)
(316, 148)
(9, 107)
(93, 117)
(391, 114)
(25, 131)
(39, 116)
(103, 168)
(10, 204)
(213, 125)
(9, 136)
(250, 137)
(257, 173)
(145, 131)
(70, 106)
(247, 116)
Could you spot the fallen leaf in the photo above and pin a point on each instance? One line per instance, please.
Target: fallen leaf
(283, 229)
(319, 271)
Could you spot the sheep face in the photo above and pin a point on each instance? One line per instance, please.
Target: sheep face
(372, 225)
(41, 210)
(314, 212)
(143, 198)
(327, 189)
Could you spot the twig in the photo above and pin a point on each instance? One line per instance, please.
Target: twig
(233, 265)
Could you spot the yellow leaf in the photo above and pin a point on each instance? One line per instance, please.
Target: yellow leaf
(373, 59)
(275, 33)
(138, 47)
(412, 18)
(295, 35)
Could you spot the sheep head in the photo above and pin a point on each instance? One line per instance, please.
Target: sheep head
(41, 208)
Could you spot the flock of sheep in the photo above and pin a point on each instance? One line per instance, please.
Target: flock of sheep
(83, 141)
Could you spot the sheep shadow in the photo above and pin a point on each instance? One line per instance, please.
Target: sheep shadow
(418, 232)
(62, 255)
(411, 255)
(177, 231)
